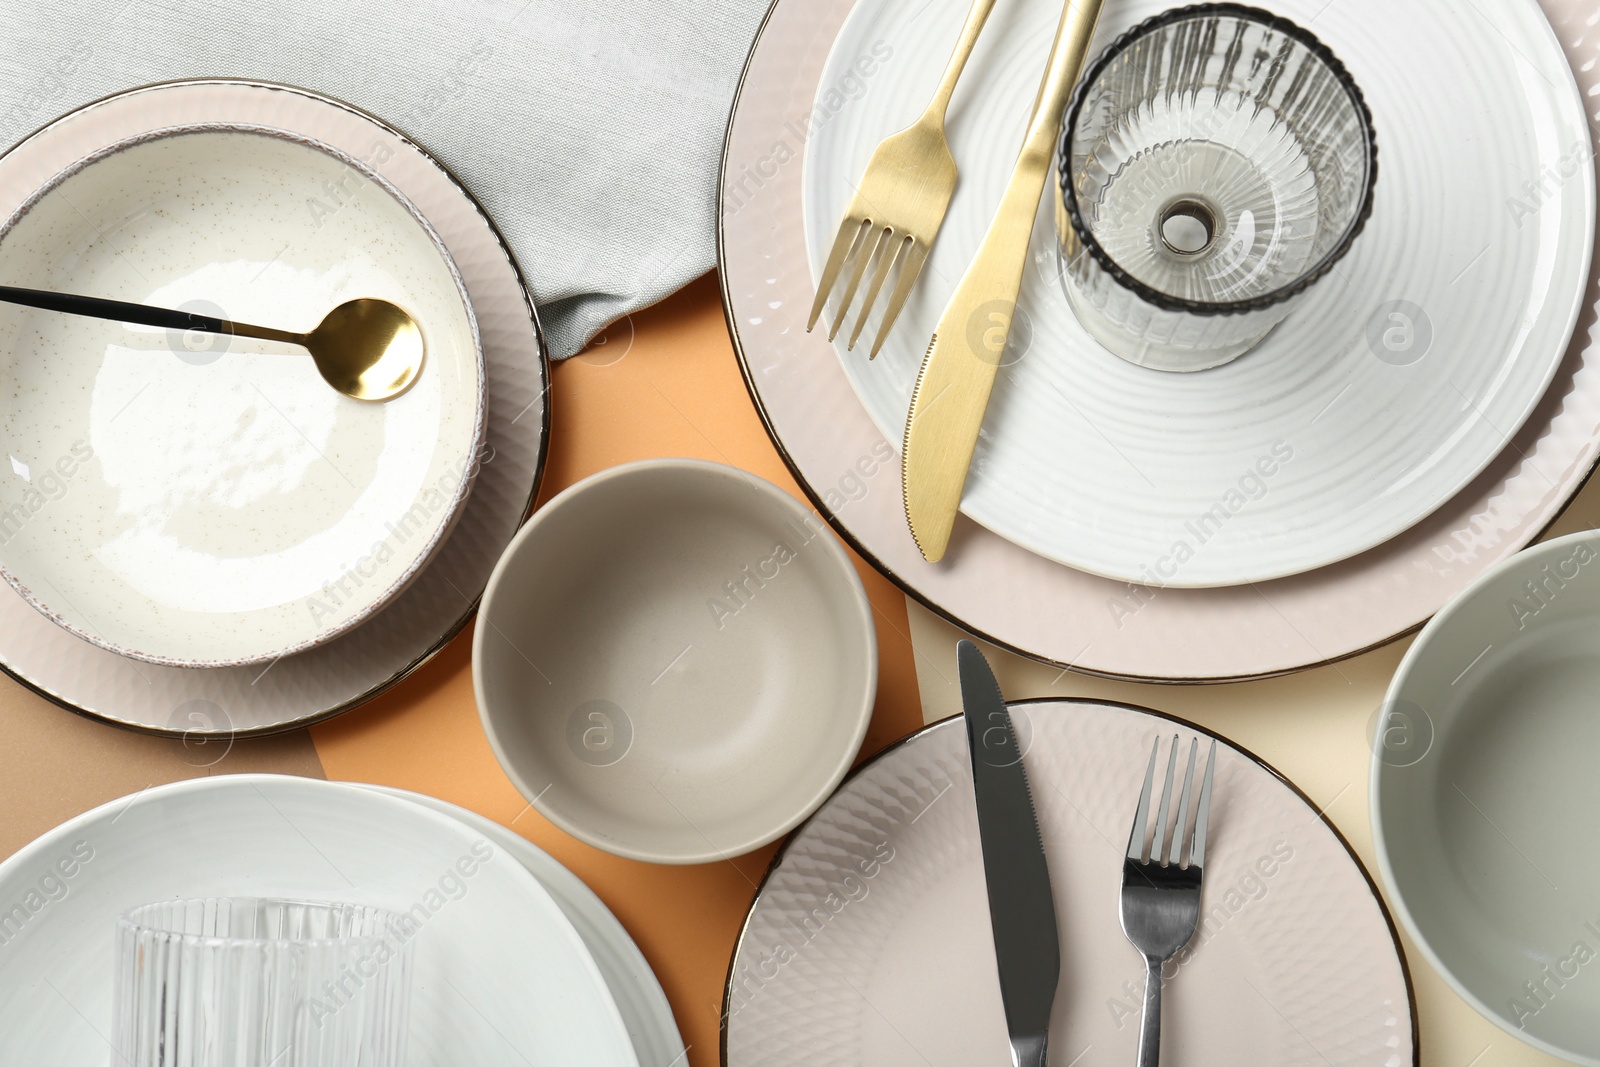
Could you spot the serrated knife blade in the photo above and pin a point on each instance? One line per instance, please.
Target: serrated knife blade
(1022, 911)
(969, 344)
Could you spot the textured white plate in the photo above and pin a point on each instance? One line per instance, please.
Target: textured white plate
(1484, 795)
(633, 984)
(869, 941)
(357, 665)
(1032, 605)
(207, 501)
(1320, 443)
(501, 974)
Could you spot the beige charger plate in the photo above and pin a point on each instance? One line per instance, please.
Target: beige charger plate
(312, 685)
(1029, 604)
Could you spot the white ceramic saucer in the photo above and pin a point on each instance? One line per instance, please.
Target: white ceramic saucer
(633, 984)
(356, 665)
(869, 940)
(1484, 795)
(675, 661)
(1381, 397)
(501, 974)
(206, 501)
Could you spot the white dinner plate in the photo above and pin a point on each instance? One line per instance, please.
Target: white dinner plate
(501, 976)
(869, 943)
(1032, 605)
(200, 500)
(1403, 374)
(322, 681)
(1484, 795)
(633, 984)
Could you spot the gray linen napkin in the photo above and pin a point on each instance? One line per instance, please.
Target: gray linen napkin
(591, 130)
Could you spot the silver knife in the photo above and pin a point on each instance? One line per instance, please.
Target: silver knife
(1022, 912)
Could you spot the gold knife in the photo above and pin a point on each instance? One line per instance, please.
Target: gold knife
(958, 372)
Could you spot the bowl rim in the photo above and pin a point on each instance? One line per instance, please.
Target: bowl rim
(448, 515)
(1421, 647)
(777, 500)
(1165, 301)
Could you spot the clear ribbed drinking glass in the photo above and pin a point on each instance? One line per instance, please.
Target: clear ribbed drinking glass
(236, 982)
(1215, 162)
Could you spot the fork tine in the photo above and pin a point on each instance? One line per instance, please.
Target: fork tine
(891, 252)
(1197, 851)
(869, 252)
(849, 236)
(1158, 843)
(1141, 818)
(916, 255)
(1180, 829)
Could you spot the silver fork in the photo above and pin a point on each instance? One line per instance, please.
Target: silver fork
(1160, 899)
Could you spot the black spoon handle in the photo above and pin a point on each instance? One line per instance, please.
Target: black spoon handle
(95, 307)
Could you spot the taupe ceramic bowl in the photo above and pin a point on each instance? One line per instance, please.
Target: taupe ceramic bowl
(675, 661)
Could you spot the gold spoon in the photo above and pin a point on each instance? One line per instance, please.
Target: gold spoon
(367, 349)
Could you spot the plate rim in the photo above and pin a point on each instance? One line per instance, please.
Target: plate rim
(925, 600)
(541, 458)
(660, 1005)
(910, 738)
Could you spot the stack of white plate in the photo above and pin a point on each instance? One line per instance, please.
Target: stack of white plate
(516, 960)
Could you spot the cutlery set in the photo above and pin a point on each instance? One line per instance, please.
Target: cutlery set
(1160, 881)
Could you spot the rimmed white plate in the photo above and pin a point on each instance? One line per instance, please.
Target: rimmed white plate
(501, 974)
(869, 940)
(355, 666)
(1372, 405)
(205, 501)
(1018, 599)
(633, 984)
(1483, 795)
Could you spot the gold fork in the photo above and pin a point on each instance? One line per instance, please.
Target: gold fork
(899, 205)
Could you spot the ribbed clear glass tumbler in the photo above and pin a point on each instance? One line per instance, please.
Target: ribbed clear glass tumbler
(1215, 162)
(234, 982)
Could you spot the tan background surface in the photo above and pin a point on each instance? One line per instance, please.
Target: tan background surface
(665, 383)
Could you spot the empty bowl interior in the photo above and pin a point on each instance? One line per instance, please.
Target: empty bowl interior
(198, 499)
(1485, 795)
(1218, 155)
(676, 661)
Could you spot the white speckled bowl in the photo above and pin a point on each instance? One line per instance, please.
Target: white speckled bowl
(675, 661)
(199, 501)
